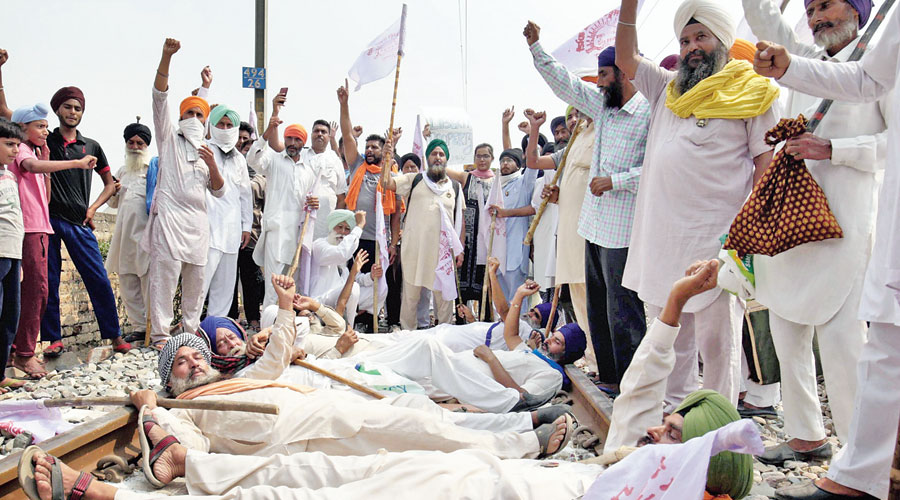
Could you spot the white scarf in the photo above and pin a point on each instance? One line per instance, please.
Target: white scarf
(192, 130)
(225, 138)
(441, 189)
(506, 179)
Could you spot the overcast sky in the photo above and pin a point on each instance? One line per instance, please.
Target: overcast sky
(110, 49)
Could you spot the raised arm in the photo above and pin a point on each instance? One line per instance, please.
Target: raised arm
(170, 47)
(5, 112)
(508, 115)
(271, 134)
(279, 351)
(533, 158)
(497, 297)
(627, 56)
(351, 153)
(358, 262)
(511, 320)
(48, 166)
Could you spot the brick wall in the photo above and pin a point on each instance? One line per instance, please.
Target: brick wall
(76, 313)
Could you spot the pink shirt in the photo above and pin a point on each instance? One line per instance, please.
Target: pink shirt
(32, 193)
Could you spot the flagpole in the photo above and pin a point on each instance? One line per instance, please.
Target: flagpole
(386, 162)
(296, 261)
(540, 213)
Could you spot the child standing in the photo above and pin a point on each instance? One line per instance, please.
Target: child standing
(11, 234)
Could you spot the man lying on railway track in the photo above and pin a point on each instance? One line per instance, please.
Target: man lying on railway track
(468, 473)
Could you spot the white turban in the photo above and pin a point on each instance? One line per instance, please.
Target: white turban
(709, 13)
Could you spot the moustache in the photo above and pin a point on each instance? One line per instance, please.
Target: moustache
(825, 24)
(645, 440)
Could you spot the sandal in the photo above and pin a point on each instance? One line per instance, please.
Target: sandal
(54, 350)
(544, 432)
(549, 414)
(159, 344)
(150, 456)
(21, 364)
(29, 485)
(123, 348)
(10, 384)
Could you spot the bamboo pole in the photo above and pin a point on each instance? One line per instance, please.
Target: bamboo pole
(540, 213)
(554, 304)
(484, 310)
(296, 261)
(334, 376)
(187, 404)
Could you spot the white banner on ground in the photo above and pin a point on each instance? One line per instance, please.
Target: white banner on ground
(380, 56)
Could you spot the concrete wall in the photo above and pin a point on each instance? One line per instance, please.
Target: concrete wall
(75, 310)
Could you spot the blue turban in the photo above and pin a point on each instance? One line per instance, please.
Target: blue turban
(607, 57)
(212, 323)
(863, 7)
(544, 310)
(576, 342)
(29, 114)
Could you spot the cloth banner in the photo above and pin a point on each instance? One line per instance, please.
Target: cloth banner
(495, 197)
(252, 119)
(674, 471)
(449, 247)
(32, 416)
(579, 53)
(381, 241)
(418, 148)
(304, 272)
(380, 56)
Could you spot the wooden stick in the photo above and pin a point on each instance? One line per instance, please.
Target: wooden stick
(540, 213)
(188, 404)
(334, 376)
(296, 262)
(554, 303)
(147, 331)
(487, 278)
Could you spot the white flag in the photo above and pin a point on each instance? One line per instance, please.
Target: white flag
(380, 56)
(251, 119)
(32, 416)
(495, 197)
(579, 53)
(449, 247)
(674, 471)
(418, 148)
(381, 241)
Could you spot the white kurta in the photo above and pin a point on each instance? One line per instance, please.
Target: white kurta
(694, 182)
(868, 81)
(329, 263)
(178, 214)
(332, 182)
(545, 236)
(232, 213)
(125, 255)
(828, 269)
(287, 184)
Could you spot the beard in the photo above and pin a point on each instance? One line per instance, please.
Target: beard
(645, 440)
(546, 352)
(334, 238)
(712, 63)
(613, 95)
(373, 159)
(136, 159)
(436, 172)
(180, 385)
(843, 33)
(292, 151)
(533, 323)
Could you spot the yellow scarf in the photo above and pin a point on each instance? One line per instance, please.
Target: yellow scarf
(736, 92)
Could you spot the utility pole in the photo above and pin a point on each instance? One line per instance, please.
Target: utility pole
(259, 95)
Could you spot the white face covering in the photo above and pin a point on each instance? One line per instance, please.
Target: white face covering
(192, 130)
(225, 138)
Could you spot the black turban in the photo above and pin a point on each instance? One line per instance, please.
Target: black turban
(541, 141)
(411, 156)
(556, 122)
(140, 130)
(515, 155)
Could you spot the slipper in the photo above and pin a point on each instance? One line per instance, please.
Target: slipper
(122, 347)
(150, 456)
(136, 336)
(531, 402)
(767, 411)
(545, 431)
(54, 350)
(12, 383)
(549, 414)
(159, 344)
(29, 485)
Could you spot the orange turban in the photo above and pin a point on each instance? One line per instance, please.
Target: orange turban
(742, 49)
(296, 130)
(194, 102)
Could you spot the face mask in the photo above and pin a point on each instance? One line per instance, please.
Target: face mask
(225, 138)
(192, 130)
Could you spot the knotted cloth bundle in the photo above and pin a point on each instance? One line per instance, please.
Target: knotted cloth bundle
(787, 208)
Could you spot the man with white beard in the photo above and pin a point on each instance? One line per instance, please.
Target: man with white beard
(125, 256)
(177, 235)
(419, 253)
(843, 156)
(230, 215)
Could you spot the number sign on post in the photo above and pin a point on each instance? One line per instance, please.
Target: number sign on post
(253, 78)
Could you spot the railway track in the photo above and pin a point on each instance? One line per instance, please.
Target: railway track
(115, 434)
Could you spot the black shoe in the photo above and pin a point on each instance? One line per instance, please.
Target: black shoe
(777, 455)
(809, 491)
(767, 411)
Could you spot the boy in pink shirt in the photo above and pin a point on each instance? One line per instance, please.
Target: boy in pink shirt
(31, 166)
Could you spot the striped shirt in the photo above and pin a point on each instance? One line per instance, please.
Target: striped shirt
(605, 220)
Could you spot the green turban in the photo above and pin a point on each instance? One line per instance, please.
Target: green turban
(222, 110)
(339, 215)
(437, 143)
(729, 473)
